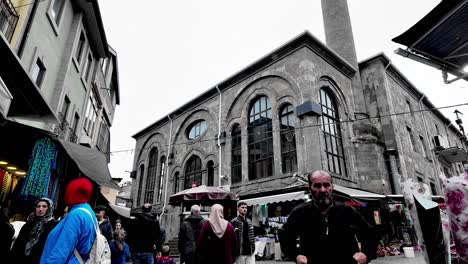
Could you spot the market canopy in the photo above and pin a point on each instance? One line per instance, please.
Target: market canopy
(277, 198)
(355, 193)
(440, 39)
(91, 163)
(121, 210)
(203, 194)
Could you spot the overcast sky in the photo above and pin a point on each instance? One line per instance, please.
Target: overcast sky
(171, 51)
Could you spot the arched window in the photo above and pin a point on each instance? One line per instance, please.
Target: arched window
(260, 139)
(288, 139)
(196, 129)
(193, 172)
(140, 185)
(161, 178)
(236, 154)
(332, 133)
(210, 169)
(151, 177)
(176, 182)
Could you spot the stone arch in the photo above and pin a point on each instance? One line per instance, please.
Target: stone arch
(340, 99)
(209, 117)
(156, 138)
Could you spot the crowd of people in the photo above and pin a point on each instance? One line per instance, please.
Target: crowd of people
(314, 232)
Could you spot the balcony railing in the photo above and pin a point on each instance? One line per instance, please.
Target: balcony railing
(8, 18)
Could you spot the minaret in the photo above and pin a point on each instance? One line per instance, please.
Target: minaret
(338, 30)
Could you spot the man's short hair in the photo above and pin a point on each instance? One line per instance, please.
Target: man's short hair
(241, 203)
(100, 208)
(146, 208)
(165, 250)
(195, 209)
(318, 172)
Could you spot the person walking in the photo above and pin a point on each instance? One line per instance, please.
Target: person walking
(188, 235)
(104, 224)
(7, 231)
(76, 231)
(120, 252)
(217, 243)
(328, 231)
(245, 236)
(33, 235)
(144, 236)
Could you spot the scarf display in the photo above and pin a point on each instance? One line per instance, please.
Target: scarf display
(41, 164)
(5, 183)
(38, 228)
(216, 220)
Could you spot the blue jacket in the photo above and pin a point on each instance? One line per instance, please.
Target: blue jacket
(76, 230)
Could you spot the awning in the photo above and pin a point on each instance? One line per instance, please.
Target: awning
(91, 163)
(27, 101)
(122, 211)
(354, 193)
(277, 198)
(453, 155)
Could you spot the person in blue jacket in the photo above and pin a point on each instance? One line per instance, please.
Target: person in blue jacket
(76, 230)
(120, 253)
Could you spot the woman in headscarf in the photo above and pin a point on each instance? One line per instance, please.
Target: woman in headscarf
(217, 243)
(33, 235)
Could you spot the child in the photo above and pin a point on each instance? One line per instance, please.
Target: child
(164, 258)
(119, 249)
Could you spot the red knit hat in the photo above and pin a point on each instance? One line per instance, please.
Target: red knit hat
(78, 191)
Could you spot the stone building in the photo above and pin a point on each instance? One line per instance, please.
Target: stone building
(305, 106)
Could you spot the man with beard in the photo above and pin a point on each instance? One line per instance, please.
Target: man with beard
(328, 231)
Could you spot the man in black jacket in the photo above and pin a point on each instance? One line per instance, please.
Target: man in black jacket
(144, 236)
(245, 236)
(188, 235)
(104, 225)
(328, 231)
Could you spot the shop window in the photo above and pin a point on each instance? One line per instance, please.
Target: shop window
(236, 154)
(193, 172)
(151, 177)
(196, 129)
(161, 178)
(210, 169)
(331, 129)
(140, 185)
(288, 139)
(176, 182)
(260, 139)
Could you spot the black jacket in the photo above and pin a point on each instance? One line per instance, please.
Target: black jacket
(144, 233)
(106, 229)
(327, 239)
(17, 252)
(238, 225)
(189, 232)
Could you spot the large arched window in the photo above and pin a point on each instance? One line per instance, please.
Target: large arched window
(140, 185)
(161, 178)
(193, 172)
(260, 139)
(151, 177)
(176, 182)
(210, 170)
(332, 133)
(288, 139)
(236, 154)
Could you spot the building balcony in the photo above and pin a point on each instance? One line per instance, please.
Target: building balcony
(8, 19)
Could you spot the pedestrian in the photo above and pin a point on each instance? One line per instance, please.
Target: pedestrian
(165, 258)
(7, 231)
(33, 235)
(188, 235)
(144, 236)
(104, 223)
(120, 252)
(217, 243)
(328, 231)
(245, 236)
(77, 231)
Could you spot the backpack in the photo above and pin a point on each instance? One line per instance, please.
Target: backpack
(100, 251)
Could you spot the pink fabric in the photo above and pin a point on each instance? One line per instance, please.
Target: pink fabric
(216, 220)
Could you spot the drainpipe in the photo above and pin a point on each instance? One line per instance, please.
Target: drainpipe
(167, 167)
(27, 29)
(219, 138)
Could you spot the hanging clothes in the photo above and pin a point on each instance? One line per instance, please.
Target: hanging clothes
(5, 187)
(42, 162)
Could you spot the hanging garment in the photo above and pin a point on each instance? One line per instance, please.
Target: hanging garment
(42, 162)
(5, 186)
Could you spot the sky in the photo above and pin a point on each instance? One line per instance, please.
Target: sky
(171, 51)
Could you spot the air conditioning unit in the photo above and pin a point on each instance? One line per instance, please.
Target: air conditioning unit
(440, 142)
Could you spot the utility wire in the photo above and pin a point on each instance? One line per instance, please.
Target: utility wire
(197, 142)
(29, 4)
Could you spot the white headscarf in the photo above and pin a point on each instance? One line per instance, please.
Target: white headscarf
(216, 219)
